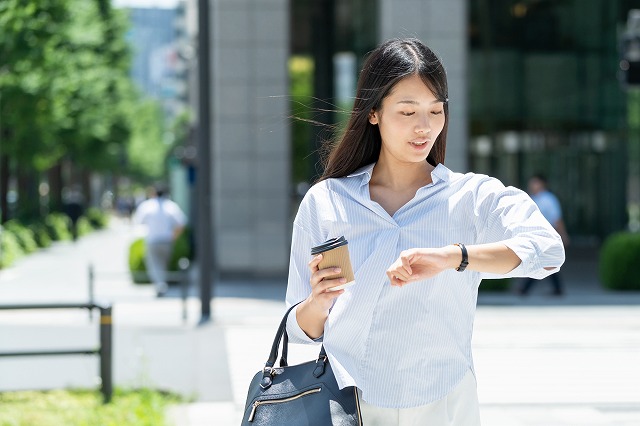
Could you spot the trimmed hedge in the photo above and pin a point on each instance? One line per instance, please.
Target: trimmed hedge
(136, 262)
(58, 225)
(619, 260)
(10, 249)
(40, 234)
(19, 239)
(137, 267)
(97, 218)
(84, 226)
(498, 285)
(24, 235)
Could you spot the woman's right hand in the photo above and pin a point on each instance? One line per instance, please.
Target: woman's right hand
(322, 297)
(313, 312)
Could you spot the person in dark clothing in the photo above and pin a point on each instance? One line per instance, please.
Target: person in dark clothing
(74, 209)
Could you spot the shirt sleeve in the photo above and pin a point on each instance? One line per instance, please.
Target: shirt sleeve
(511, 217)
(178, 215)
(298, 285)
(138, 214)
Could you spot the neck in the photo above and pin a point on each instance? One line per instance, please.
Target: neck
(401, 176)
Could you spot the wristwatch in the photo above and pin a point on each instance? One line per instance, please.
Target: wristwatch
(465, 257)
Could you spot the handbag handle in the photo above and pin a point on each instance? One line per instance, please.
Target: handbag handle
(281, 336)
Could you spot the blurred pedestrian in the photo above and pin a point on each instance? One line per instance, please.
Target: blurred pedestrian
(421, 238)
(550, 208)
(164, 221)
(74, 208)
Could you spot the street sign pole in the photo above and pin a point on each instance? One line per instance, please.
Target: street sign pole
(204, 235)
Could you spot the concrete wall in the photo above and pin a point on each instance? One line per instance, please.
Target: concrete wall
(441, 25)
(250, 135)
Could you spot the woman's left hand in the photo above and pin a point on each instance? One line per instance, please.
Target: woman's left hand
(419, 264)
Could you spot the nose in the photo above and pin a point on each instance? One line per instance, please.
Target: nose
(423, 126)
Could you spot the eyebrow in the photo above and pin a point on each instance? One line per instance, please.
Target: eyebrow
(412, 102)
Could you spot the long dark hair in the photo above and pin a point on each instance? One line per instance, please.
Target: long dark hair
(392, 61)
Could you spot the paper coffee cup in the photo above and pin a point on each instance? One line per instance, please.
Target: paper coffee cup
(335, 253)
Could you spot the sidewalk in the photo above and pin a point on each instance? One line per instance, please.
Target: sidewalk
(539, 360)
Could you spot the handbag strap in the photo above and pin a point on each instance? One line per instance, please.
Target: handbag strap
(282, 330)
(282, 336)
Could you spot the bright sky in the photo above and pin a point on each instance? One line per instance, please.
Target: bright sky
(163, 4)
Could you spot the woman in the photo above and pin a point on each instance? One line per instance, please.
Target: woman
(421, 238)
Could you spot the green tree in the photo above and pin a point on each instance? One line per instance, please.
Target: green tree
(30, 33)
(301, 70)
(66, 95)
(148, 147)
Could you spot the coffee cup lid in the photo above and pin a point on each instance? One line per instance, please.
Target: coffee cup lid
(329, 245)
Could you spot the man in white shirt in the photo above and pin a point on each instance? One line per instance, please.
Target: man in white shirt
(164, 221)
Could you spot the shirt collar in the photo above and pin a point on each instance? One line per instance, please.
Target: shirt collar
(365, 172)
(440, 173)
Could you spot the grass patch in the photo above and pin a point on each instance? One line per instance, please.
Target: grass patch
(84, 408)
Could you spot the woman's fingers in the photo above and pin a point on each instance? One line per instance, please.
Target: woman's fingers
(406, 264)
(396, 279)
(401, 272)
(328, 284)
(322, 280)
(321, 274)
(313, 264)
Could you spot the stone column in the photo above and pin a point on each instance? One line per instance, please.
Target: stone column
(250, 135)
(441, 25)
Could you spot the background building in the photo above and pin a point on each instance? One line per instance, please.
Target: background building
(157, 65)
(533, 88)
(544, 96)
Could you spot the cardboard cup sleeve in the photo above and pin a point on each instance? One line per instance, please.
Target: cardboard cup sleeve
(335, 253)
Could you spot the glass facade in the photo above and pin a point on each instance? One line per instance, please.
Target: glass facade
(544, 97)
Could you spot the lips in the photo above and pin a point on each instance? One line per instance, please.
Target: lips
(419, 141)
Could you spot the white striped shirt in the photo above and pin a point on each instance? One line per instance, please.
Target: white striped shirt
(409, 346)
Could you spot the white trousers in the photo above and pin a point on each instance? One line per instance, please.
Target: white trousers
(157, 258)
(459, 408)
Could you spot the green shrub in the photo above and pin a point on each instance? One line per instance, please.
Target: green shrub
(136, 262)
(84, 226)
(40, 234)
(58, 226)
(619, 260)
(24, 235)
(499, 285)
(10, 249)
(97, 218)
(181, 248)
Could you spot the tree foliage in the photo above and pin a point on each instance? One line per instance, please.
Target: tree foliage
(31, 32)
(147, 148)
(66, 93)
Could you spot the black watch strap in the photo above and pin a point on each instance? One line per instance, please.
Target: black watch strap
(465, 257)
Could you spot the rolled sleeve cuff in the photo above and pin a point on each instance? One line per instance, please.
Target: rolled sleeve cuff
(534, 258)
(295, 333)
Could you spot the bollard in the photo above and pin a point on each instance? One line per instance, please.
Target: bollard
(91, 290)
(106, 353)
(183, 264)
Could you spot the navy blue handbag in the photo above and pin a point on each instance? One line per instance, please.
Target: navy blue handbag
(299, 395)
